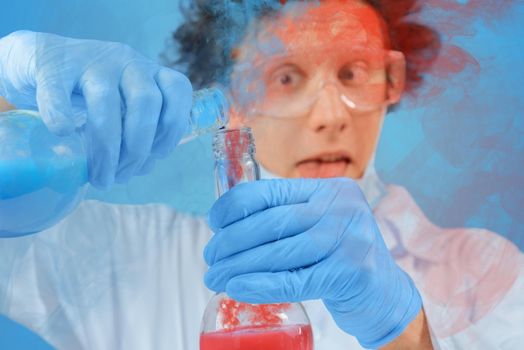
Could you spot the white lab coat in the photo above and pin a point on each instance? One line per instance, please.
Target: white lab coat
(130, 277)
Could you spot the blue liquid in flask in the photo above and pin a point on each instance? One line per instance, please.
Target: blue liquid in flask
(43, 177)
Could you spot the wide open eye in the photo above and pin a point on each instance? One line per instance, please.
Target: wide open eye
(287, 78)
(354, 73)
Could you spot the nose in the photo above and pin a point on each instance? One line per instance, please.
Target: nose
(329, 114)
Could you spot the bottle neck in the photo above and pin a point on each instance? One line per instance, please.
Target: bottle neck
(235, 161)
(209, 112)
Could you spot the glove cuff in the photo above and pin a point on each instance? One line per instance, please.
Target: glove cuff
(405, 311)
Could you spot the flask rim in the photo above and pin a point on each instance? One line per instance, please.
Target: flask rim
(27, 112)
(220, 143)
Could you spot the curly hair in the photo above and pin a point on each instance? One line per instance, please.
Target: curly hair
(212, 28)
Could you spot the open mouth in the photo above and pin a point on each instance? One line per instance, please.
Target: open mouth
(323, 166)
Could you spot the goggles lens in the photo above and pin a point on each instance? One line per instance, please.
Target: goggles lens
(289, 86)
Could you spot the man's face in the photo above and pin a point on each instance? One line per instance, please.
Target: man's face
(317, 81)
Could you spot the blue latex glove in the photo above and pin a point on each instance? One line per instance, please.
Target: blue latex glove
(294, 240)
(129, 109)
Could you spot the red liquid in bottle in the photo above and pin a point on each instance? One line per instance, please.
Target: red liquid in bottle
(298, 337)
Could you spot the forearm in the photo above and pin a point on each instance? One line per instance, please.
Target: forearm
(415, 336)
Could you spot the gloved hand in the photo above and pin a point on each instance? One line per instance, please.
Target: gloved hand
(129, 109)
(294, 240)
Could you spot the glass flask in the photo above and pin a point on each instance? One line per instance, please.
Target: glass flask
(43, 177)
(231, 325)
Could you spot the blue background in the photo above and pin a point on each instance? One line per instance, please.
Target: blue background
(460, 153)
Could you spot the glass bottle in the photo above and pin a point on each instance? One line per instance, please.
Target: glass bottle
(231, 325)
(43, 176)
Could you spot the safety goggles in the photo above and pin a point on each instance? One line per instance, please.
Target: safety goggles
(289, 86)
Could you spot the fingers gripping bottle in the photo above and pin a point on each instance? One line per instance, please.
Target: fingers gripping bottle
(43, 176)
(231, 325)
